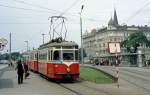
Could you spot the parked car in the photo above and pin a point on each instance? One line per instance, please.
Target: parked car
(4, 61)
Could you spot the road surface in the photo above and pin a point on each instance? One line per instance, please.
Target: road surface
(135, 76)
(37, 85)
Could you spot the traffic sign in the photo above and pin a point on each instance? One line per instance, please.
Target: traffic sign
(3, 43)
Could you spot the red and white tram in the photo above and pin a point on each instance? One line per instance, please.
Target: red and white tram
(59, 60)
(56, 60)
(33, 61)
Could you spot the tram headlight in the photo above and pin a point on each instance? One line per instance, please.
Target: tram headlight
(68, 70)
(56, 66)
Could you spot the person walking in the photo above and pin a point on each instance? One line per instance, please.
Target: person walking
(20, 71)
(26, 70)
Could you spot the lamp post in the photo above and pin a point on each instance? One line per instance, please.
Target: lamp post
(43, 37)
(27, 44)
(10, 49)
(81, 34)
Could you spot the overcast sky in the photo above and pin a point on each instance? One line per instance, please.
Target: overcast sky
(27, 20)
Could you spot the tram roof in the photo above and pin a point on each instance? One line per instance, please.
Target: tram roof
(59, 44)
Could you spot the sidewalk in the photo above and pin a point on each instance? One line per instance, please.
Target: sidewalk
(3, 66)
(33, 85)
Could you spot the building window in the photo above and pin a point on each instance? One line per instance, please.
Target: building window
(103, 44)
(110, 39)
(115, 39)
(100, 45)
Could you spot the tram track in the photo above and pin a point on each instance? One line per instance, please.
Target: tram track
(87, 88)
(134, 76)
(137, 79)
(96, 89)
(136, 72)
(137, 75)
(74, 91)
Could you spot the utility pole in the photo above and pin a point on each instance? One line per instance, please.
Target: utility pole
(10, 48)
(81, 34)
(27, 45)
(43, 37)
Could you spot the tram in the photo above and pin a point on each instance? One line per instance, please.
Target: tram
(56, 59)
(33, 60)
(59, 60)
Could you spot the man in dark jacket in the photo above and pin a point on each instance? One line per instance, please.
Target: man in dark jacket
(20, 71)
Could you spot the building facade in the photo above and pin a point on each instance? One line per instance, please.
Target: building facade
(96, 43)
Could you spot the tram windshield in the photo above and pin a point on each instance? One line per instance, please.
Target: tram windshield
(68, 56)
(65, 55)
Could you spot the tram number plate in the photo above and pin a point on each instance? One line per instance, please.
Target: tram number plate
(68, 76)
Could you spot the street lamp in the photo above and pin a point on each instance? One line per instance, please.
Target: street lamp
(27, 44)
(81, 34)
(43, 37)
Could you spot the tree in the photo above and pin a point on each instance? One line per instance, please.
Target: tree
(15, 55)
(134, 41)
(84, 53)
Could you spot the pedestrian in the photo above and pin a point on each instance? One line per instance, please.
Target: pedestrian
(20, 71)
(26, 70)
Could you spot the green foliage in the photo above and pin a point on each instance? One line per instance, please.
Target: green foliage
(14, 56)
(93, 75)
(4, 56)
(134, 41)
(84, 53)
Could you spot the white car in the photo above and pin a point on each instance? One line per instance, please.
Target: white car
(4, 62)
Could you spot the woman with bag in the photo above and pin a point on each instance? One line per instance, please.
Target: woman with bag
(26, 70)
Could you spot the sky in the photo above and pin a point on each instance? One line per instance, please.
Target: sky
(27, 20)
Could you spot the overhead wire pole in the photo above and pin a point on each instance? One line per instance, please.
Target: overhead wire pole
(27, 45)
(81, 34)
(43, 37)
(10, 49)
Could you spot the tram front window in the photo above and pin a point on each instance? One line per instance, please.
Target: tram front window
(68, 56)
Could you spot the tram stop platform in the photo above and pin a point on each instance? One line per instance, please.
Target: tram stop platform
(33, 85)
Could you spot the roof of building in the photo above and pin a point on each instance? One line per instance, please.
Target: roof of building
(113, 21)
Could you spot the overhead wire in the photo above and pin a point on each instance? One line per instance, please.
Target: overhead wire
(35, 5)
(22, 23)
(52, 11)
(61, 14)
(21, 8)
(138, 11)
(70, 7)
(46, 8)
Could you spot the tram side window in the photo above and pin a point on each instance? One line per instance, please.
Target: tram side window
(43, 56)
(76, 55)
(32, 56)
(56, 55)
(36, 56)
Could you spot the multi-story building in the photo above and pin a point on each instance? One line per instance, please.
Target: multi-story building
(96, 42)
